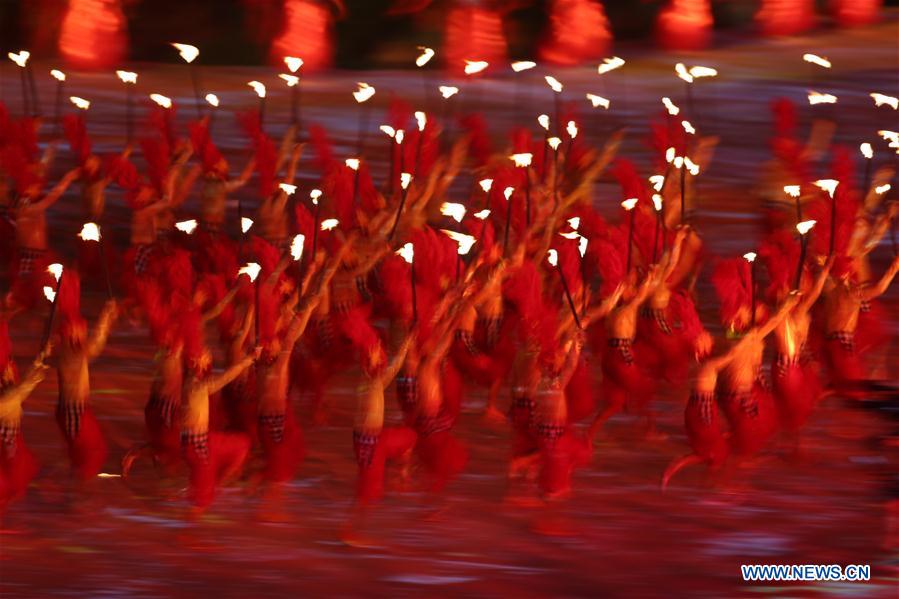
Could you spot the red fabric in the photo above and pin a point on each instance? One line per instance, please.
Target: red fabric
(443, 456)
(796, 391)
(666, 355)
(473, 33)
(785, 17)
(165, 440)
(624, 383)
(750, 432)
(706, 438)
(282, 459)
(393, 443)
(239, 407)
(685, 25)
(580, 392)
(578, 31)
(87, 451)
(226, 451)
(870, 332)
(845, 366)
(559, 459)
(16, 471)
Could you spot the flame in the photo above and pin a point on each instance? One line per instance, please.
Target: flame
(352, 163)
(364, 92)
(290, 80)
(882, 189)
(610, 64)
(507, 192)
(866, 150)
(80, 102)
(405, 180)
(90, 232)
(670, 106)
(699, 72)
(453, 210)
(58, 75)
(388, 130)
(329, 223)
(163, 101)
(750, 257)
(629, 204)
(21, 58)
(543, 119)
(688, 127)
(597, 101)
(792, 190)
(188, 53)
(678, 161)
(486, 184)
(258, 87)
(127, 77)
(245, 224)
(657, 182)
(465, 241)
(670, 155)
(891, 136)
(108, 475)
(293, 63)
(473, 67)
(582, 246)
(553, 257)
(296, 247)
(251, 269)
(574, 222)
(828, 185)
(407, 252)
(805, 226)
(49, 293)
(682, 72)
(571, 235)
(213, 100)
(55, 269)
(692, 167)
(314, 195)
(881, 99)
(422, 120)
(818, 60)
(523, 65)
(571, 129)
(187, 226)
(554, 84)
(288, 188)
(483, 214)
(448, 91)
(400, 136)
(657, 202)
(554, 142)
(819, 98)
(426, 55)
(522, 160)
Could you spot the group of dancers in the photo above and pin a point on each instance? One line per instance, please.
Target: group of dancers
(519, 286)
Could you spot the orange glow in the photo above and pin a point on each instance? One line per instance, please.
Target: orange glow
(93, 34)
(685, 24)
(475, 34)
(307, 33)
(578, 31)
(852, 13)
(786, 17)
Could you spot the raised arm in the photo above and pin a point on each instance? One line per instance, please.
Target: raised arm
(880, 228)
(299, 323)
(294, 161)
(56, 193)
(394, 367)
(180, 193)
(674, 256)
(218, 382)
(571, 360)
(286, 142)
(244, 176)
(101, 330)
(19, 393)
(603, 309)
(773, 322)
(812, 296)
(883, 284)
(217, 309)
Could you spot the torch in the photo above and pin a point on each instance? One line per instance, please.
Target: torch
(472, 68)
(293, 65)
(543, 121)
(252, 269)
(189, 54)
(830, 186)
(421, 120)
(556, 86)
(292, 82)
(296, 249)
(21, 60)
(554, 143)
(130, 80)
(523, 161)
(629, 206)
(187, 226)
(362, 95)
(553, 258)
(407, 253)
(314, 195)
(598, 102)
(657, 204)
(405, 179)
(868, 152)
(213, 101)
(60, 81)
(446, 111)
(353, 164)
(582, 244)
(424, 58)
(245, 225)
(794, 191)
(520, 67)
(91, 232)
(259, 88)
(465, 242)
(507, 193)
(390, 132)
(572, 131)
(750, 257)
(803, 228)
(885, 100)
(51, 294)
(486, 185)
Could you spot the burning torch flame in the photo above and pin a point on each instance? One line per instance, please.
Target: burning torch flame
(692, 167)
(296, 247)
(400, 136)
(90, 232)
(473, 67)
(245, 224)
(352, 163)
(688, 127)
(329, 223)
(553, 257)
(523, 65)
(571, 235)
(55, 269)
(670, 155)
(597, 101)
(507, 192)
(213, 100)
(482, 214)
(258, 87)
(749, 256)
(314, 195)
(792, 190)
(818, 60)
(699, 72)
(610, 64)
(387, 129)
(426, 55)
(543, 119)
(422, 120)
(682, 72)
(828, 185)
(582, 246)
(407, 252)
(657, 202)
(465, 241)
(21, 58)
(571, 129)
(293, 63)
(364, 92)
(891, 136)
(554, 142)
(486, 184)
(187, 226)
(819, 98)
(882, 189)
(805, 226)
(574, 222)
(866, 150)
(127, 77)
(522, 160)
(629, 204)
(657, 182)
(58, 75)
(163, 101)
(49, 293)
(188, 53)
(678, 161)
(290, 80)
(251, 269)
(881, 99)
(670, 106)
(405, 180)
(288, 188)
(448, 91)
(80, 102)
(554, 84)
(453, 210)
